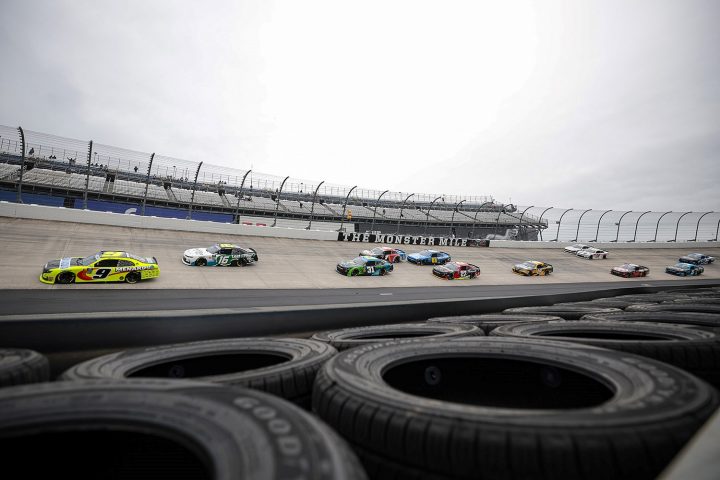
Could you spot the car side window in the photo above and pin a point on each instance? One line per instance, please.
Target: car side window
(370, 264)
(125, 263)
(225, 251)
(107, 263)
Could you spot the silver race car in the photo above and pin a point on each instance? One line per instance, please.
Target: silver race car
(220, 255)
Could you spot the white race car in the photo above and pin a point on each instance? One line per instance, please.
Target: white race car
(220, 255)
(576, 248)
(592, 253)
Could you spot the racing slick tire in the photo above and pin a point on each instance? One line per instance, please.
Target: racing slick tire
(200, 262)
(445, 409)
(133, 277)
(285, 367)
(396, 260)
(163, 429)
(490, 321)
(567, 312)
(693, 349)
(19, 366)
(352, 337)
(65, 278)
(382, 272)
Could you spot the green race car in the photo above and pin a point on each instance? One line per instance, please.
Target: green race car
(364, 265)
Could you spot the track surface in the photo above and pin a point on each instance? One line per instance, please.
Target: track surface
(290, 272)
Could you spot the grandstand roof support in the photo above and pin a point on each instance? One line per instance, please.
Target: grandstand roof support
(372, 225)
(401, 210)
(540, 220)
(637, 222)
(342, 217)
(559, 224)
(697, 227)
(22, 165)
(597, 230)
(577, 231)
(147, 184)
(87, 175)
(277, 200)
(192, 196)
(427, 215)
(452, 219)
(677, 226)
(617, 233)
(312, 207)
(239, 197)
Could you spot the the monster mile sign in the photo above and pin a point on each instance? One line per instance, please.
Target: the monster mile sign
(411, 240)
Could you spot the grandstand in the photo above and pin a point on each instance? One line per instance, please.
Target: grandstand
(72, 170)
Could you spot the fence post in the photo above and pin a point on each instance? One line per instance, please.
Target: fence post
(239, 196)
(617, 233)
(342, 217)
(657, 225)
(22, 165)
(636, 226)
(597, 231)
(559, 222)
(677, 226)
(87, 175)
(147, 184)
(540, 221)
(192, 196)
(372, 225)
(277, 200)
(427, 217)
(452, 219)
(401, 210)
(577, 232)
(312, 207)
(697, 227)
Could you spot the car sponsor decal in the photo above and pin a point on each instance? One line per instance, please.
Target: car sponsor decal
(65, 262)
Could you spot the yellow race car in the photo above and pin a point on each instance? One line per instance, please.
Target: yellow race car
(533, 267)
(101, 267)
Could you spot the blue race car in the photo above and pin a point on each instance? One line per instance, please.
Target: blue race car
(429, 257)
(697, 259)
(684, 269)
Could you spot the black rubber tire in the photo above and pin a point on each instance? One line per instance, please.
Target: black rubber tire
(20, 366)
(200, 262)
(65, 278)
(397, 260)
(697, 301)
(353, 337)
(679, 318)
(490, 321)
(675, 307)
(164, 429)
(567, 312)
(285, 367)
(649, 411)
(133, 277)
(382, 272)
(696, 350)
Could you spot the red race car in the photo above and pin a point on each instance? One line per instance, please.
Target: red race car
(630, 270)
(459, 270)
(392, 255)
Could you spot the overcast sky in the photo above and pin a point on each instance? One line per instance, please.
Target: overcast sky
(585, 104)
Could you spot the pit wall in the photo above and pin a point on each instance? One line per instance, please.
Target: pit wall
(60, 214)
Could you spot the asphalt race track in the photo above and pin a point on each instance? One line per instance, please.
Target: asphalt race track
(289, 273)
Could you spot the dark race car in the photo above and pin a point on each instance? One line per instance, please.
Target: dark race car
(697, 259)
(429, 257)
(459, 270)
(630, 270)
(684, 269)
(392, 255)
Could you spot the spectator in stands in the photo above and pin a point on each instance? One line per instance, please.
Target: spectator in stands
(32, 151)
(136, 168)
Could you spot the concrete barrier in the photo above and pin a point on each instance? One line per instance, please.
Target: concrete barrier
(602, 245)
(60, 214)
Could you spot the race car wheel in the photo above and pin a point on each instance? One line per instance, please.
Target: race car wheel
(133, 277)
(65, 278)
(200, 262)
(353, 273)
(450, 276)
(446, 409)
(285, 367)
(397, 260)
(382, 272)
(160, 429)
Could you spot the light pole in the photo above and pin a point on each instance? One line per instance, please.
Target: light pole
(559, 224)
(239, 196)
(657, 225)
(677, 226)
(597, 231)
(452, 219)
(342, 217)
(277, 200)
(540, 221)
(617, 233)
(577, 232)
(312, 207)
(697, 227)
